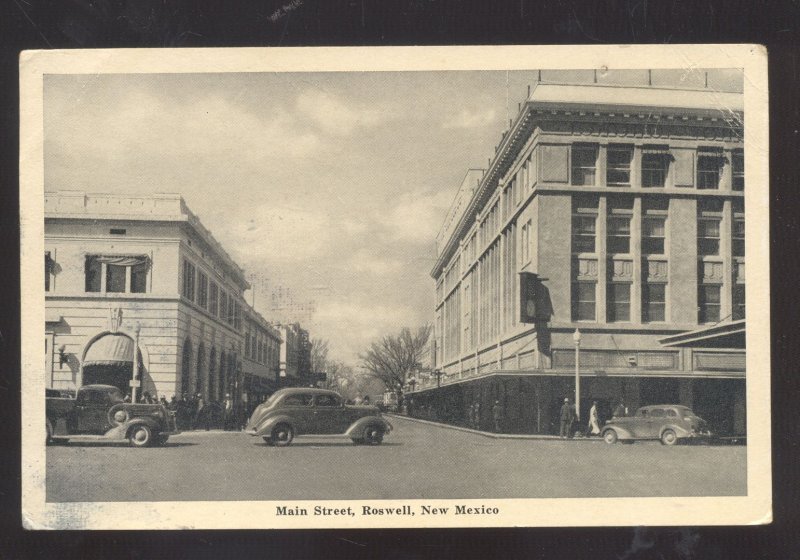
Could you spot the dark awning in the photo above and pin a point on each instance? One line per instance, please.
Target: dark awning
(111, 349)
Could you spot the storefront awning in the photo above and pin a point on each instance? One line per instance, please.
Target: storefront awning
(725, 335)
(111, 349)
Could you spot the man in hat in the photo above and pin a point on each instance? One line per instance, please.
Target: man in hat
(567, 417)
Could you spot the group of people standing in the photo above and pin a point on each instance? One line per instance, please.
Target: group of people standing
(568, 417)
(194, 413)
(498, 416)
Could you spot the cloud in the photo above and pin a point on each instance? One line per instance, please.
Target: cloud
(470, 119)
(368, 262)
(334, 116)
(417, 217)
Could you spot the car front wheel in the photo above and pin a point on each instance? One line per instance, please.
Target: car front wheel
(282, 435)
(141, 436)
(373, 435)
(610, 436)
(669, 437)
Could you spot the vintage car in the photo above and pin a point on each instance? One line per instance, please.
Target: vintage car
(670, 423)
(295, 412)
(98, 412)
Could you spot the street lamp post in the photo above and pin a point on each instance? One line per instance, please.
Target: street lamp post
(135, 374)
(576, 336)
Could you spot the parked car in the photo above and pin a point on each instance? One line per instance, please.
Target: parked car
(670, 423)
(293, 412)
(98, 412)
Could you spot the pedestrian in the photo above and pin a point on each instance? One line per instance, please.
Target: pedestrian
(620, 410)
(366, 400)
(497, 415)
(201, 414)
(358, 400)
(164, 401)
(228, 411)
(477, 415)
(567, 417)
(593, 428)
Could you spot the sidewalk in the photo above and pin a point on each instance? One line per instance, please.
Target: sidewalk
(491, 434)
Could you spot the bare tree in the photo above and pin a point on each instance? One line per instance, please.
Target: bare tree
(319, 355)
(391, 358)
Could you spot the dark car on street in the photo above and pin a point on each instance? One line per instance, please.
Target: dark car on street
(670, 423)
(98, 412)
(293, 412)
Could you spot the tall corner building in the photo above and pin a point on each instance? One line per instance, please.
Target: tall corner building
(613, 211)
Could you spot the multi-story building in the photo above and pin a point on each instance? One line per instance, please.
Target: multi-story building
(127, 274)
(295, 354)
(610, 221)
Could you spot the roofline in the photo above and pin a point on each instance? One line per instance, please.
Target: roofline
(723, 329)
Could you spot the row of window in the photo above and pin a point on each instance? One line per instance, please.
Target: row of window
(653, 235)
(654, 301)
(206, 293)
(655, 165)
(258, 346)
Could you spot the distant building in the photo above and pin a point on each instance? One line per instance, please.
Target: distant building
(122, 270)
(295, 354)
(618, 211)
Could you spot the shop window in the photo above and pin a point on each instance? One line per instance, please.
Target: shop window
(618, 165)
(655, 166)
(583, 234)
(709, 164)
(584, 301)
(653, 236)
(619, 234)
(584, 164)
(618, 302)
(709, 303)
(708, 236)
(737, 170)
(654, 302)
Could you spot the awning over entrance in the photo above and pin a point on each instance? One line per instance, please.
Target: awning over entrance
(725, 335)
(111, 349)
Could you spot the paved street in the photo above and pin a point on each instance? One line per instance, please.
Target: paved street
(416, 461)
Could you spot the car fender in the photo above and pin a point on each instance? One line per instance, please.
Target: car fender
(121, 431)
(359, 425)
(622, 431)
(265, 428)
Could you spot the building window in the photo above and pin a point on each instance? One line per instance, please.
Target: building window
(708, 303)
(737, 241)
(584, 164)
(525, 240)
(48, 270)
(618, 170)
(708, 237)
(202, 289)
(619, 234)
(653, 236)
(737, 169)
(237, 316)
(116, 274)
(223, 305)
(655, 165)
(738, 311)
(231, 309)
(213, 298)
(584, 300)
(709, 163)
(583, 234)
(618, 302)
(654, 302)
(189, 272)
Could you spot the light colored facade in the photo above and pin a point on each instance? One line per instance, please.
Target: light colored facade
(127, 269)
(295, 354)
(626, 206)
(261, 362)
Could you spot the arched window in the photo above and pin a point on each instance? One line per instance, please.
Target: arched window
(186, 368)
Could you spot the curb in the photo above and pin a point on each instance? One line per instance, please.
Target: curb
(491, 434)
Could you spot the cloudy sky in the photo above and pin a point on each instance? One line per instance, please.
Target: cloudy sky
(334, 184)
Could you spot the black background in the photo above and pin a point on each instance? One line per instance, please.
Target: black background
(45, 24)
